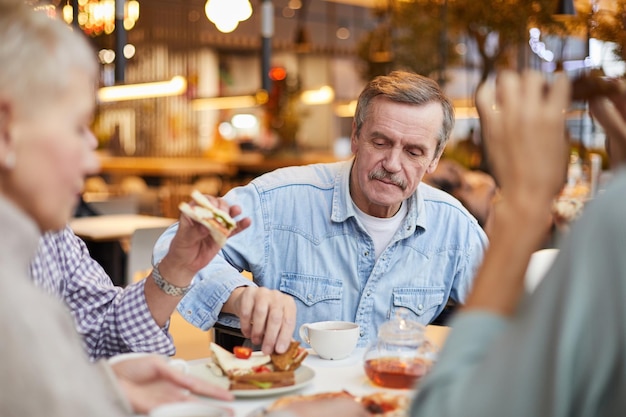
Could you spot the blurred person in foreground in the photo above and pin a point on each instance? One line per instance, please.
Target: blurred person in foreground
(559, 352)
(353, 240)
(47, 94)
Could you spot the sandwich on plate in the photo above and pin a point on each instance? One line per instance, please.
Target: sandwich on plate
(254, 370)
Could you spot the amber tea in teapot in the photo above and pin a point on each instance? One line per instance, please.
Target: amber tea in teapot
(401, 355)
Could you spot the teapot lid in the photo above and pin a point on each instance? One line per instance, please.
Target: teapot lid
(401, 329)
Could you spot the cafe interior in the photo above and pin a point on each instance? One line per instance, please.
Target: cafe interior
(208, 94)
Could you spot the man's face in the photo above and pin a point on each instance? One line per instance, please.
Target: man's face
(395, 148)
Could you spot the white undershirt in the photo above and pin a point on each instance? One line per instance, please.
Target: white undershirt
(381, 230)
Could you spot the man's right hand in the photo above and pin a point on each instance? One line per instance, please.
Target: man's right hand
(267, 317)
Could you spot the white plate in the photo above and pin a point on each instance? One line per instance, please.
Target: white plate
(304, 375)
(190, 409)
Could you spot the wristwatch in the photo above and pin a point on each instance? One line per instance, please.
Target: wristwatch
(165, 286)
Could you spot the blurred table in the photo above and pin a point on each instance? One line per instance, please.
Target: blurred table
(106, 237)
(218, 164)
(114, 226)
(178, 175)
(163, 166)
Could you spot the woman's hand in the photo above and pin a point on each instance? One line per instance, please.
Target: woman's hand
(149, 381)
(611, 113)
(524, 128)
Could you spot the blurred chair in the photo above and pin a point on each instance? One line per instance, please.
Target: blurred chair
(133, 185)
(139, 260)
(125, 204)
(539, 264)
(96, 185)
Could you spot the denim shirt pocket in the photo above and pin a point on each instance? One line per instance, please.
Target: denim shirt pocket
(424, 303)
(317, 298)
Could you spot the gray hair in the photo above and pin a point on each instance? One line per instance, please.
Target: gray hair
(409, 88)
(38, 54)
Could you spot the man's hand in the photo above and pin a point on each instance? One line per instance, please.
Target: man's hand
(267, 317)
(149, 381)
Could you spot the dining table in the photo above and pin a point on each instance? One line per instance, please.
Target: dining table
(325, 376)
(107, 237)
(115, 226)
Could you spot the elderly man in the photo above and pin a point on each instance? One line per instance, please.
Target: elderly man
(354, 240)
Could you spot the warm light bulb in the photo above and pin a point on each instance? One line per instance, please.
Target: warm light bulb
(68, 13)
(227, 26)
(98, 16)
(132, 10)
(226, 14)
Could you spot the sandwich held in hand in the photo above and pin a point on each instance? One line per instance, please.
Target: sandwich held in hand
(257, 371)
(595, 84)
(219, 223)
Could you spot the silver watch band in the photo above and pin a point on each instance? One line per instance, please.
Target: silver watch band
(165, 286)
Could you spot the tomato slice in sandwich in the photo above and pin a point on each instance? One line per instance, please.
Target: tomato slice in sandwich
(242, 352)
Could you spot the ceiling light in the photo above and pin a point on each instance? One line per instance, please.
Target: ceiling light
(226, 14)
(96, 17)
(176, 86)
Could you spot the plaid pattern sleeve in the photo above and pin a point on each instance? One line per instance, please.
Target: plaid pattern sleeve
(110, 319)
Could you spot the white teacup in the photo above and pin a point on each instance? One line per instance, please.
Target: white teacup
(190, 409)
(179, 364)
(331, 339)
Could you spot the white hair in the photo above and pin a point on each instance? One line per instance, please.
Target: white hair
(38, 55)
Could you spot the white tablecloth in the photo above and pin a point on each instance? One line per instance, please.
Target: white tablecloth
(346, 374)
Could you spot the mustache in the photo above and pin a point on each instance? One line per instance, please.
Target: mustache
(381, 174)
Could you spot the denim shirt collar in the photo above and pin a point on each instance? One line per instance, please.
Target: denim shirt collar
(343, 208)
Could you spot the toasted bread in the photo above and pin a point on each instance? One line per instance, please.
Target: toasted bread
(291, 359)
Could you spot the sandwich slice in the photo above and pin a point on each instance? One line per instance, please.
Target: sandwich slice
(263, 380)
(291, 359)
(230, 365)
(219, 223)
(258, 371)
(595, 84)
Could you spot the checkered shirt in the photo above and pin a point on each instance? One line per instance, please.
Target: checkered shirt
(111, 319)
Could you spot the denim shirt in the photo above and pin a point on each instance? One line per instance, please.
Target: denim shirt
(306, 241)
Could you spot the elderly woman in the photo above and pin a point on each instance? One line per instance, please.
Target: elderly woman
(47, 84)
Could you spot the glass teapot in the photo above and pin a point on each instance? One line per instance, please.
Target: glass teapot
(402, 353)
